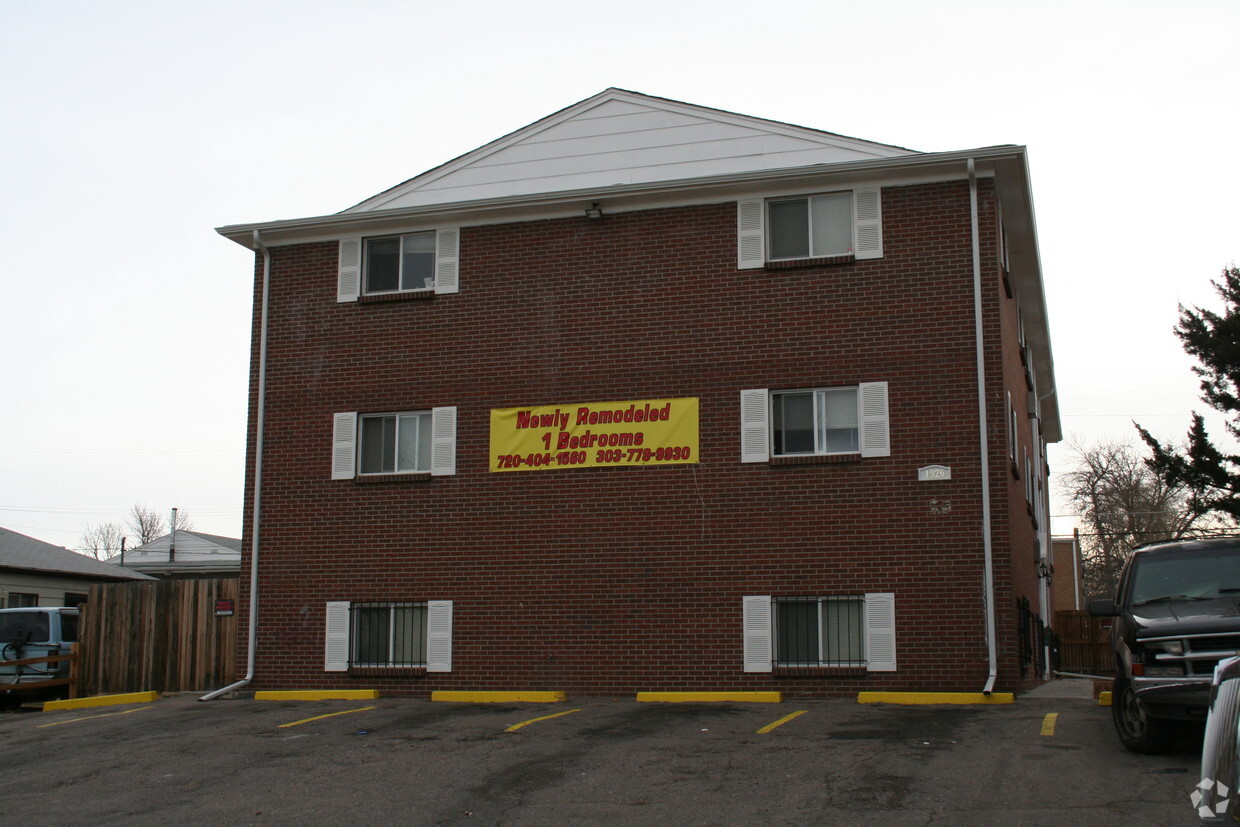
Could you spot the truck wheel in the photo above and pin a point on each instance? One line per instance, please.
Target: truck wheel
(1137, 729)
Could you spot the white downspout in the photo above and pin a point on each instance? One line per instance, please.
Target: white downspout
(252, 642)
(987, 549)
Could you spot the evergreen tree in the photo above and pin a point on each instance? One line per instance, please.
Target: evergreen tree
(1209, 475)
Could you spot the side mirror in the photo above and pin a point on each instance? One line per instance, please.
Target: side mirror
(1102, 607)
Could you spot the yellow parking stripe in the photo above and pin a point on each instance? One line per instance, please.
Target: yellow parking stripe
(88, 717)
(1048, 723)
(781, 721)
(515, 727)
(328, 715)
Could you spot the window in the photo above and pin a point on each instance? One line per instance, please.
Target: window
(813, 227)
(822, 225)
(396, 265)
(74, 599)
(388, 635)
(413, 442)
(855, 631)
(22, 600)
(405, 262)
(827, 631)
(815, 422)
(396, 444)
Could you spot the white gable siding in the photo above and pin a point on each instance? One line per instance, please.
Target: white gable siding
(621, 138)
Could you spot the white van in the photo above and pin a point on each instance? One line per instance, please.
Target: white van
(35, 632)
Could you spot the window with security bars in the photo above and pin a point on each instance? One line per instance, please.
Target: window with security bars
(387, 634)
(820, 631)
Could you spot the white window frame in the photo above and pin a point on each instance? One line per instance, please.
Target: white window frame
(338, 637)
(752, 219)
(423, 420)
(351, 266)
(821, 425)
(367, 244)
(757, 422)
(346, 444)
(759, 643)
(391, 608)
(820, 604)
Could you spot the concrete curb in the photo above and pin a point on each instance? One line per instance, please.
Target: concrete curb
(102, 700)
(317, 695)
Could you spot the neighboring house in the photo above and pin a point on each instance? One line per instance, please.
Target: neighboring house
(35, 573)
(193, 555)
(651, 396)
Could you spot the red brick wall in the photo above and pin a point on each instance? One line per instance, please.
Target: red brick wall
(613, 580)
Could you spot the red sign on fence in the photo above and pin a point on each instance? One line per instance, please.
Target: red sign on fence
(224, 608)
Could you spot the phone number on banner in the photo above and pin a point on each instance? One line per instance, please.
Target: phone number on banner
(606, 456)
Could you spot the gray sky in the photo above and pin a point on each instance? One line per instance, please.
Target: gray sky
(133, 129)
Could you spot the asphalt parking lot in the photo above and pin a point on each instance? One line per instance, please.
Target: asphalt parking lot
(391, 761)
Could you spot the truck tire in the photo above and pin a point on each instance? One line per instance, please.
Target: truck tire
(1138, 730)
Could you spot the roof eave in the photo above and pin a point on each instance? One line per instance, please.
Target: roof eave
(325, 226)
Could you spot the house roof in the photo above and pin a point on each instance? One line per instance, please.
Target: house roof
(619, 137)
(17, 551)
(195, 551)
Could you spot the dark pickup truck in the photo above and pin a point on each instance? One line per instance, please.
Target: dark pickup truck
(1177, 614)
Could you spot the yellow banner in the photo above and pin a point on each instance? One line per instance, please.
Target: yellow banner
(646, 432)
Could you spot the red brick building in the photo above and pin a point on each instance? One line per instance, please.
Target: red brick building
(650, 396)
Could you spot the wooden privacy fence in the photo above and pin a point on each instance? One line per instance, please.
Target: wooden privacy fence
(163, 636)
(1084, 643)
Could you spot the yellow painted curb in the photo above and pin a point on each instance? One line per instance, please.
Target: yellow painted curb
(102, 700)
(317, 695)
(1104, 699)
(529, 697)
(935, 698)
(709, 697)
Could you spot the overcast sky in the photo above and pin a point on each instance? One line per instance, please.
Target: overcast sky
(133, 129)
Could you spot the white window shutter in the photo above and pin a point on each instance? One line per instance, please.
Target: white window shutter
(750, 234)
(443, 441)
(447, 260)
(756, 612)
(344, 446)
(875, 427)
(880, 632)
(439, 636)
(336, 645)
(868, 229)
(755, 426)
(349, 277)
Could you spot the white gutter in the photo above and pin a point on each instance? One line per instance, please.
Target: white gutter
(987, 549)
(333, 225)
(252, 641)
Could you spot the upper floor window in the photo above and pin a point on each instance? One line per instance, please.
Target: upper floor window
(405, 262)
(809, 227)
(396, 266)
(812, 227)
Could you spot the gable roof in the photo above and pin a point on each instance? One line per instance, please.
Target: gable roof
(17, 551)
(195, 551)
(618, 137)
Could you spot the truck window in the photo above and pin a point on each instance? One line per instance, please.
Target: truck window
(68, 627)
(24, 626)
(1209, 573)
